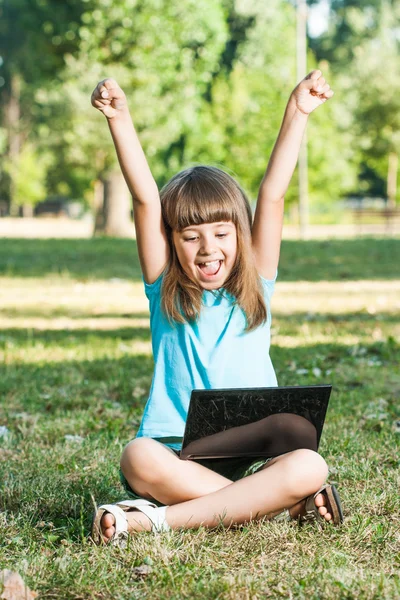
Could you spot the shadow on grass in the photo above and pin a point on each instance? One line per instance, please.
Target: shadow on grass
(105, 258)
(66, 338)
(57, 387)
(340, 318)
(93, 259)
(339, 260)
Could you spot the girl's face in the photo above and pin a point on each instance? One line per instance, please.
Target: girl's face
(207, 252)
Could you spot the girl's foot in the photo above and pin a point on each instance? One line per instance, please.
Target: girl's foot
(113, 522)
(324, 505)
(137, 521)
(299, 509)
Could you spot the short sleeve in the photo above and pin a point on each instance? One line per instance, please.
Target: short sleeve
(268, 285)
(151, 289)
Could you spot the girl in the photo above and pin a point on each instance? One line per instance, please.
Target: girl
(209, 274)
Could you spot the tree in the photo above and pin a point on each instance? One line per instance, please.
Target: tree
(162, 54)
(35, 35)
(377, 114)
(239, 125)
(28, 174)
(350, 23)
(239, 121)
(362, 44)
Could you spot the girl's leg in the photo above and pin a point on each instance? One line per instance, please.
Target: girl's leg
(155, 471)
(283, 484)
(286, 481)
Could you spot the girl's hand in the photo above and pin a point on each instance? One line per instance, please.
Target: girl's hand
(108, 98)
(311, 92)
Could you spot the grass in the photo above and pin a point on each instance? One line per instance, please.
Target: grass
(75, 369)
(335, 260)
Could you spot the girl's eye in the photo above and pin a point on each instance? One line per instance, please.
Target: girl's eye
(221, 235)
(191, 239)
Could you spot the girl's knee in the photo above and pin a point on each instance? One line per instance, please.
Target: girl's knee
(307, 471)
(142, 460)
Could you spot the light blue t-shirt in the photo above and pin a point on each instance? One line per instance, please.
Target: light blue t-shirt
(213, 352)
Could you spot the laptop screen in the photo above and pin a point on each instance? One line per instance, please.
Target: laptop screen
(254, 421)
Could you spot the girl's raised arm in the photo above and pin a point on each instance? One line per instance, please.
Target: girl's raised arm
(268, 219)
(151, 238)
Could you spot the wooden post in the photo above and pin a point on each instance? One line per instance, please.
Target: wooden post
(301, 39)
(392, 179)
(12, 117)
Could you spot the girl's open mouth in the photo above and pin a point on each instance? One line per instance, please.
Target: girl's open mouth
(211, 268)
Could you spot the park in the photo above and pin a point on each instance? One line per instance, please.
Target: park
(76, 361)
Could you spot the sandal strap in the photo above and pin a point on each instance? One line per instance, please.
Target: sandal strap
(331, 495)
(121, 523)
(135, 503)
(311, 511)
(157, 517)
(155, 513)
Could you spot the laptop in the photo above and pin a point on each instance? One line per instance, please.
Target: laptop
(254, 422)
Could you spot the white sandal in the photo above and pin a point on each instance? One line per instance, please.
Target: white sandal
(155, 513)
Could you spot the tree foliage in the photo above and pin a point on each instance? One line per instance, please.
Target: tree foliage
(28, 172)
(377, 112)
(362, 44)
(206, 82)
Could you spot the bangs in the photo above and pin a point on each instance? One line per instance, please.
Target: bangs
(196, 211)
(190, 198)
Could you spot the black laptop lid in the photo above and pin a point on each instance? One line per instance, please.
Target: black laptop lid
(259, 422)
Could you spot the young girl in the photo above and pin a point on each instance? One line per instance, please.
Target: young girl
(209, 273)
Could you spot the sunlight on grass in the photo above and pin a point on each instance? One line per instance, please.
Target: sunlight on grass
(337, 297)
(55, 296)
(68, 324)
(38, 353)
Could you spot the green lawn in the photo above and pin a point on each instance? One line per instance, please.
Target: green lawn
(75, 369)
(334, 260)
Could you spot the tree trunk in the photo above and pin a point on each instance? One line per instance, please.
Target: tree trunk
(114, 219)
(27, 210)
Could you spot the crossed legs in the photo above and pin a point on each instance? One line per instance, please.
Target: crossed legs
(198, 496)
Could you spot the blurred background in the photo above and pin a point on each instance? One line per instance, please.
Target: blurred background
(207, 82)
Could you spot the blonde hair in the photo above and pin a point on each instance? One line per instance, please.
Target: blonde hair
(200, 195)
